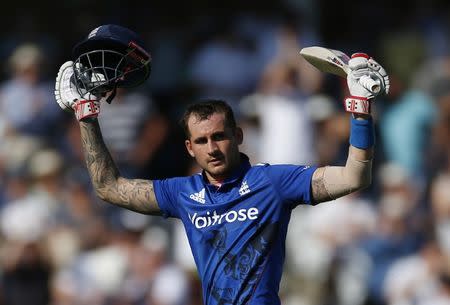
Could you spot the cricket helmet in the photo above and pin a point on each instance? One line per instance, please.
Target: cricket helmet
(111, 56)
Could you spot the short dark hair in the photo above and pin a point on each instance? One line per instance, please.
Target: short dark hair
(204, 109)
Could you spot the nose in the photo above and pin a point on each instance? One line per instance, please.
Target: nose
(212, 147)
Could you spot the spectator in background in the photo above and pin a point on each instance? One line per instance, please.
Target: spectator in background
(407, 119)
(24, 225)
(325, 267)
(15, 150)
(29, 217)
(396, 234)
(440, 207)
(330, 128)
(439, 151)
(279, 105)
(442, 296)
(97, 271)
(25, 275)
(415, 278)
(169, 283)
(213, 66)
(423, 279)
(26, 101)
(77, 221)
(134, 129)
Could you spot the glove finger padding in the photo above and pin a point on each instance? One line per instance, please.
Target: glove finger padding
(380, 73)
(62, 86)
(359, 70)
(68, 97)
(361, 67)
(359, 62)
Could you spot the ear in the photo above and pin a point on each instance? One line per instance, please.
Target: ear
(239, 134)
(188, 145)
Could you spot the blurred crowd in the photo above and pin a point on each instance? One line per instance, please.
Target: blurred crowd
(387, 245)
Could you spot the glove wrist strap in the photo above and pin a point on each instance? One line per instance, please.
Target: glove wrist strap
(357, 104)
(85, 109)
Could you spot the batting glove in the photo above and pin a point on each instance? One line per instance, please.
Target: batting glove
(366, 80)
(68, 98)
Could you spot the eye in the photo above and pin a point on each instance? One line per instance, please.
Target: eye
(219, 136)
(201, 140)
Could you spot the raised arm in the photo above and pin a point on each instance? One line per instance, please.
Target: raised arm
(332, 182)
(134, 194)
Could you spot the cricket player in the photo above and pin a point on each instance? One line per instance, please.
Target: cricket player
(235, 214)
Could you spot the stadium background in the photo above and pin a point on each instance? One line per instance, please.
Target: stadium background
(388, 245)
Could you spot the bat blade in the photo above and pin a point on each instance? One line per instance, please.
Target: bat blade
(327, 60)
(334, 62)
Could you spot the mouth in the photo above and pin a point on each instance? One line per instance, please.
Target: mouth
(215, 161)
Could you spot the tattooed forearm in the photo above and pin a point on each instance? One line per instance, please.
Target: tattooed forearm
(103, 171)
(133, 194)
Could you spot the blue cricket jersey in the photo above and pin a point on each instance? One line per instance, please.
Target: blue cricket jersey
(237, 232)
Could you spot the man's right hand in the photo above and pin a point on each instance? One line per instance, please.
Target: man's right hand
(70, 99)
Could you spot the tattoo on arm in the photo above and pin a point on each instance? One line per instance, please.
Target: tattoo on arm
(138, 195)
(100, 165)
(134, 194)
(319, 191)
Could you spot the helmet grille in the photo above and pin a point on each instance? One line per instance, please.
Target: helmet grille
(100, 71)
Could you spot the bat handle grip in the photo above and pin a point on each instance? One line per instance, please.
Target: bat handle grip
(370, 84)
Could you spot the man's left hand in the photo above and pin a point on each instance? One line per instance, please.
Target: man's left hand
(364, 68)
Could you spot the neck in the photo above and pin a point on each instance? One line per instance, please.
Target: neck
(216, 180)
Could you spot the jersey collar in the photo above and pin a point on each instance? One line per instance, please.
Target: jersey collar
(236, 176)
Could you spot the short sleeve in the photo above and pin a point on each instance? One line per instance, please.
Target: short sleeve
(293, 182)
(166, 192)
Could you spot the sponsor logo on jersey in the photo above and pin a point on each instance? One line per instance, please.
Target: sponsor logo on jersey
(199, 197)
(212, 218)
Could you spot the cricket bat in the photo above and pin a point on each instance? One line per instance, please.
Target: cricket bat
(334, 62)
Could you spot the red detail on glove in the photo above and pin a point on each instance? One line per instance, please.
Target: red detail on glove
(360, 55)
(357, 104)
(86, 109)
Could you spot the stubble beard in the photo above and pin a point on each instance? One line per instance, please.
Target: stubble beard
(218, 172)
(223, 171)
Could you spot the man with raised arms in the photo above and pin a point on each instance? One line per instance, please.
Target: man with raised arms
(235, 215)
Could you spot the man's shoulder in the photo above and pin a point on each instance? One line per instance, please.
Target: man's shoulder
(182, 183)
(182, 179)
(278, 167)
(275, 170)
(258, 168)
